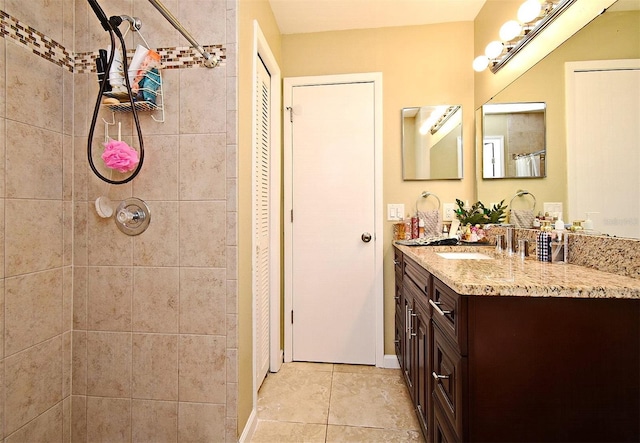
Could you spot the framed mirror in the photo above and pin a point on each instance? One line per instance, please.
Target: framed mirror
(514, 140)
(432, 142)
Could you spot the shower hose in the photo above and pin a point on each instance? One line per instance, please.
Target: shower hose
(111, 26)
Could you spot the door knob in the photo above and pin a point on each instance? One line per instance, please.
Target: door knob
(366, 237)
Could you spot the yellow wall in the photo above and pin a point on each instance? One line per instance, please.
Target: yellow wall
(248, 11)
(420, 65)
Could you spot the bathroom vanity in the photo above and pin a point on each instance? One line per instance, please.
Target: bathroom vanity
(506, 349)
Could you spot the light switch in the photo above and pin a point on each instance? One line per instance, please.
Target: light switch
(395, 211)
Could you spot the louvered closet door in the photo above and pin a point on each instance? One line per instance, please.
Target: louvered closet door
(261, 222)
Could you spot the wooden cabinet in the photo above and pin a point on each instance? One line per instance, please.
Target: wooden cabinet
(496, 368)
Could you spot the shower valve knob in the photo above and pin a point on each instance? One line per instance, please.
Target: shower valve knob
(133, 216)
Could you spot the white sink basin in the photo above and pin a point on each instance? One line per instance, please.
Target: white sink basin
(464, 255)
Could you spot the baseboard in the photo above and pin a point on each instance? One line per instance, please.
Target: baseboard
(249, 427)
(391, 361)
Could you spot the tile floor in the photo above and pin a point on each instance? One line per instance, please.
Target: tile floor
(318, 402)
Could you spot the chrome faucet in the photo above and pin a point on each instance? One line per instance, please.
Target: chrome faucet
(511, 243)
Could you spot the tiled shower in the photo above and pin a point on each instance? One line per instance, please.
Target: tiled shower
(107, 337)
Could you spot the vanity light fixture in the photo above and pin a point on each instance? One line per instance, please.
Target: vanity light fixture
(433, 118)
(533, 17)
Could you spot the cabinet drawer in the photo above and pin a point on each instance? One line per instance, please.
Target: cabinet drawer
(448, 372)
(420, 276)
(442, 432)
(450, 313)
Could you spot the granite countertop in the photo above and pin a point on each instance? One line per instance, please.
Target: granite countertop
(513, 276)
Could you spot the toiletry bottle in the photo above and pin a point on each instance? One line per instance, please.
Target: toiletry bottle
(420, 228)
(407, 227)
(414, 226)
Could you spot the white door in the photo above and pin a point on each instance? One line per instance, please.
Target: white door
(603, 140)
(332, 129)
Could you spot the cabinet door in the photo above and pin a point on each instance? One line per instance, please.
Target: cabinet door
(422, 373)
(449, 373)
(442, 433)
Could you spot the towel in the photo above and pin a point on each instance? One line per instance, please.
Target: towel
(522, 218)
(432, 222)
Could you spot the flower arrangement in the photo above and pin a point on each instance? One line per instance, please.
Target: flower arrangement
(120, 156)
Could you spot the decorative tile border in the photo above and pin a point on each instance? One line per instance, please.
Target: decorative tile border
(37, 42)
(84, 62)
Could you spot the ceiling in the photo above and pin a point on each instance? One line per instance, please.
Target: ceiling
(302, 16)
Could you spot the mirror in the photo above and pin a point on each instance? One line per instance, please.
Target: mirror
(513, 140)
(613, 35)
(432, 142)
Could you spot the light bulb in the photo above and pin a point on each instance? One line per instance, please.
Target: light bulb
(493, 49)
(510, 30)
(529, 11)
(480, 63)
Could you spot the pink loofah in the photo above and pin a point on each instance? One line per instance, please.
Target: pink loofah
(120, 156)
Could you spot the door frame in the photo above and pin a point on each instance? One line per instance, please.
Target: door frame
(289, 84)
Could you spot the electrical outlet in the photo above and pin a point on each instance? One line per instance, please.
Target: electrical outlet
(448, 211)
(552, 208)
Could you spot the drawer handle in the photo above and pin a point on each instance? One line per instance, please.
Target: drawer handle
(397, 297)
(438, 376)
(396, 262)
(436, 306)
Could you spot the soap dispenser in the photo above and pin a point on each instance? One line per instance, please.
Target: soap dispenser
(587, 224)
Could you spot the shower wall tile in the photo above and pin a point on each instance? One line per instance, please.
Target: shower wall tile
(155, 299)
(3, 132)
(67, 104)
(232, 365)
(80, 210)
(232, 160)
(68, 37)
(108, 365)
(80, 169)
(2, 322)
(79, 363)
(33, 309)
(108, 420)
(67, 363)
(232, 195)
(232, 138)
(158, 245)
(232, 264)
(106, 245)
(154, 421)
(67, 298)
(232, 296)
(36, 245)
(158, 179)
(26, 178)
(155, 365)
(79, 418)
(157, 31)
(44, 15)
(80, 281)
(36, 95)
(3, 60)
(32, 382)
(81, 103)
(67, 168)
(232, 228)
(202, 301)
(206, 19)
(202, 167)
(44, 428)
(109, 298)
(201, 422)
(81, 26)
(66, 420)
(67, 233)
(202, 98)
(202, 373)
(202, 234)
